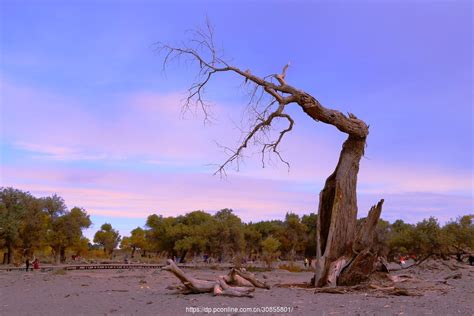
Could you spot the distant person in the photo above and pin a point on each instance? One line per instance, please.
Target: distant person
(471, 260)
(36, 264)
(27, 264)
(310, 262)
(306, 262)
(402, 260)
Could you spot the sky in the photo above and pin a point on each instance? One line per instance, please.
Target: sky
(87, 112)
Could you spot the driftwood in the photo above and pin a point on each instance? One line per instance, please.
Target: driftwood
(238, 283)
(192, 284)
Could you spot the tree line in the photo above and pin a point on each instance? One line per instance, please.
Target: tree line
(29, 224)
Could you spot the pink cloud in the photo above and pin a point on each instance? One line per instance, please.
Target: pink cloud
(144, 124)
(147, 130)
(139, 194)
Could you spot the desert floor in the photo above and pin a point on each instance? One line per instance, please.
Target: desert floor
(144, 292)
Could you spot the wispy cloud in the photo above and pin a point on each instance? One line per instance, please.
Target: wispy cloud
(60, 153)
(142, 124)
(165, 163)
(139, 194)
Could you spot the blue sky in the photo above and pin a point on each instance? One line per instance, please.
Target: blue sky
(87, 113)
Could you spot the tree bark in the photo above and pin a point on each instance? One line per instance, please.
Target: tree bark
(9, 253)
(339, 245)
(338, 210)
(62, 254)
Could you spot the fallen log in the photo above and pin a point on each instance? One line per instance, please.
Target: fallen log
(192, 284)
(239, 274)
(238, 282)
(222, 288)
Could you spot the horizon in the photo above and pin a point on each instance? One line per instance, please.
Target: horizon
(88, 114)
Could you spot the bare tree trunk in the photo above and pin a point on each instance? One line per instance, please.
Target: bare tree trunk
(62, 254)
(57, 255)
(346, 257)
(9, 253)
(338, 209)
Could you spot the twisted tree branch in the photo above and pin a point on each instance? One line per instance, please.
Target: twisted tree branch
(279, 92)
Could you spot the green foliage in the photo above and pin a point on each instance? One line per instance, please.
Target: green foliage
(137, 240)
(29, 224)
(13, 210)
(107, 237)
(34, 225)
(65, 230)
(225, 236)
(160, 234)
(228, 233)
(81, 247)
(310, 221)
(458, 235)
(252, 240)
(54, 205)
(293, 237)
(428, 238)
(399, 238)
(270, 251)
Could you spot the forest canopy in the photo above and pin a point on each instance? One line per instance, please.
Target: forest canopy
(29, 225)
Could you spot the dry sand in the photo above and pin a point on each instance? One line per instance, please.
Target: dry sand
(143, 292)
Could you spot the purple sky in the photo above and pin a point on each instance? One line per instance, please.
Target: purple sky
(87, 113)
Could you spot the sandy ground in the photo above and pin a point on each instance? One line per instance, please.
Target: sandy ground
(143, 292)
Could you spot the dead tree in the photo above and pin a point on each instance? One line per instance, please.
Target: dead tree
(344, 256)
(238, 283)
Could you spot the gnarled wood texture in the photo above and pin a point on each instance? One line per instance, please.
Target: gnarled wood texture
(237, 283)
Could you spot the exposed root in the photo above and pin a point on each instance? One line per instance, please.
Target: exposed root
(382, 285)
